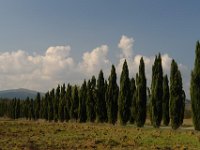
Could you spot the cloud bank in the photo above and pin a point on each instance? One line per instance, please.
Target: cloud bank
(19, 69)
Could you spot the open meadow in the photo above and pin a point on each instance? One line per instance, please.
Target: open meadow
(34, 135)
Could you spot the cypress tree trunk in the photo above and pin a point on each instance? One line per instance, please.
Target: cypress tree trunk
(176, 96)
(195, 89)
(124, 95)
(165, 105)
(157, 92)
(141, 95)
(112, 97)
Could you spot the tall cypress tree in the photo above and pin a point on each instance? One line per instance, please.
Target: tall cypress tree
(101, 112)
(165, 103)
(112, 97)
(31, 110)
(141, 95)
(133, 101)
(45, 107)
(17, 109)
(195, 89)
(37, 106)
(56, 103)
(90, 102)
(75, 102)
(176, 96)
(62, 104)
(68, 102)
(82, 103)
(157, 92)
(124, 95)
(26, 108)
(50, 98)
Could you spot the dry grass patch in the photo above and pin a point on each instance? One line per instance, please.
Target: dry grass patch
(34, 135)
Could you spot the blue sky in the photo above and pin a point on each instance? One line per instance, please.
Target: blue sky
(170, 27)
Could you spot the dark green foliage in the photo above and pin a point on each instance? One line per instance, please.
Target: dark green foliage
(68, 102)
(176, 96)
(17, 108)
(195, 89)
(50, 98)
(133, 101)
(5, 108)
(56, 103)
(149, 107)
(26, 108)
(141, 95)
(183, 107)
(82, 103)
(165, 103)
(31, 110)
(44, 111)
(101, 112)
(75, 103)
(37, 106)
(124, 95)
(90, 102)
(112, 97)
(156, 92)
(62, 104)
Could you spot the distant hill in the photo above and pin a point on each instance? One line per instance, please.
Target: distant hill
(18, 93)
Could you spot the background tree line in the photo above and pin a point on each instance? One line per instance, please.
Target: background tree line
(100, 100)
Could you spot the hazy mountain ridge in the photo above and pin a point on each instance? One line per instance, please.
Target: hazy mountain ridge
(19, 93)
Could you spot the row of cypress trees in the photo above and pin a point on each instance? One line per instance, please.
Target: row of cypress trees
(166, 103)
(102, 101)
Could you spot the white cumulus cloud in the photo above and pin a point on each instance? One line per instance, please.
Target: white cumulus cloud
(126, 45)
(19, 69)
(95, 60)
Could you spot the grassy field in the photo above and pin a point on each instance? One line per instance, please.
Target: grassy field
(22, 134)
